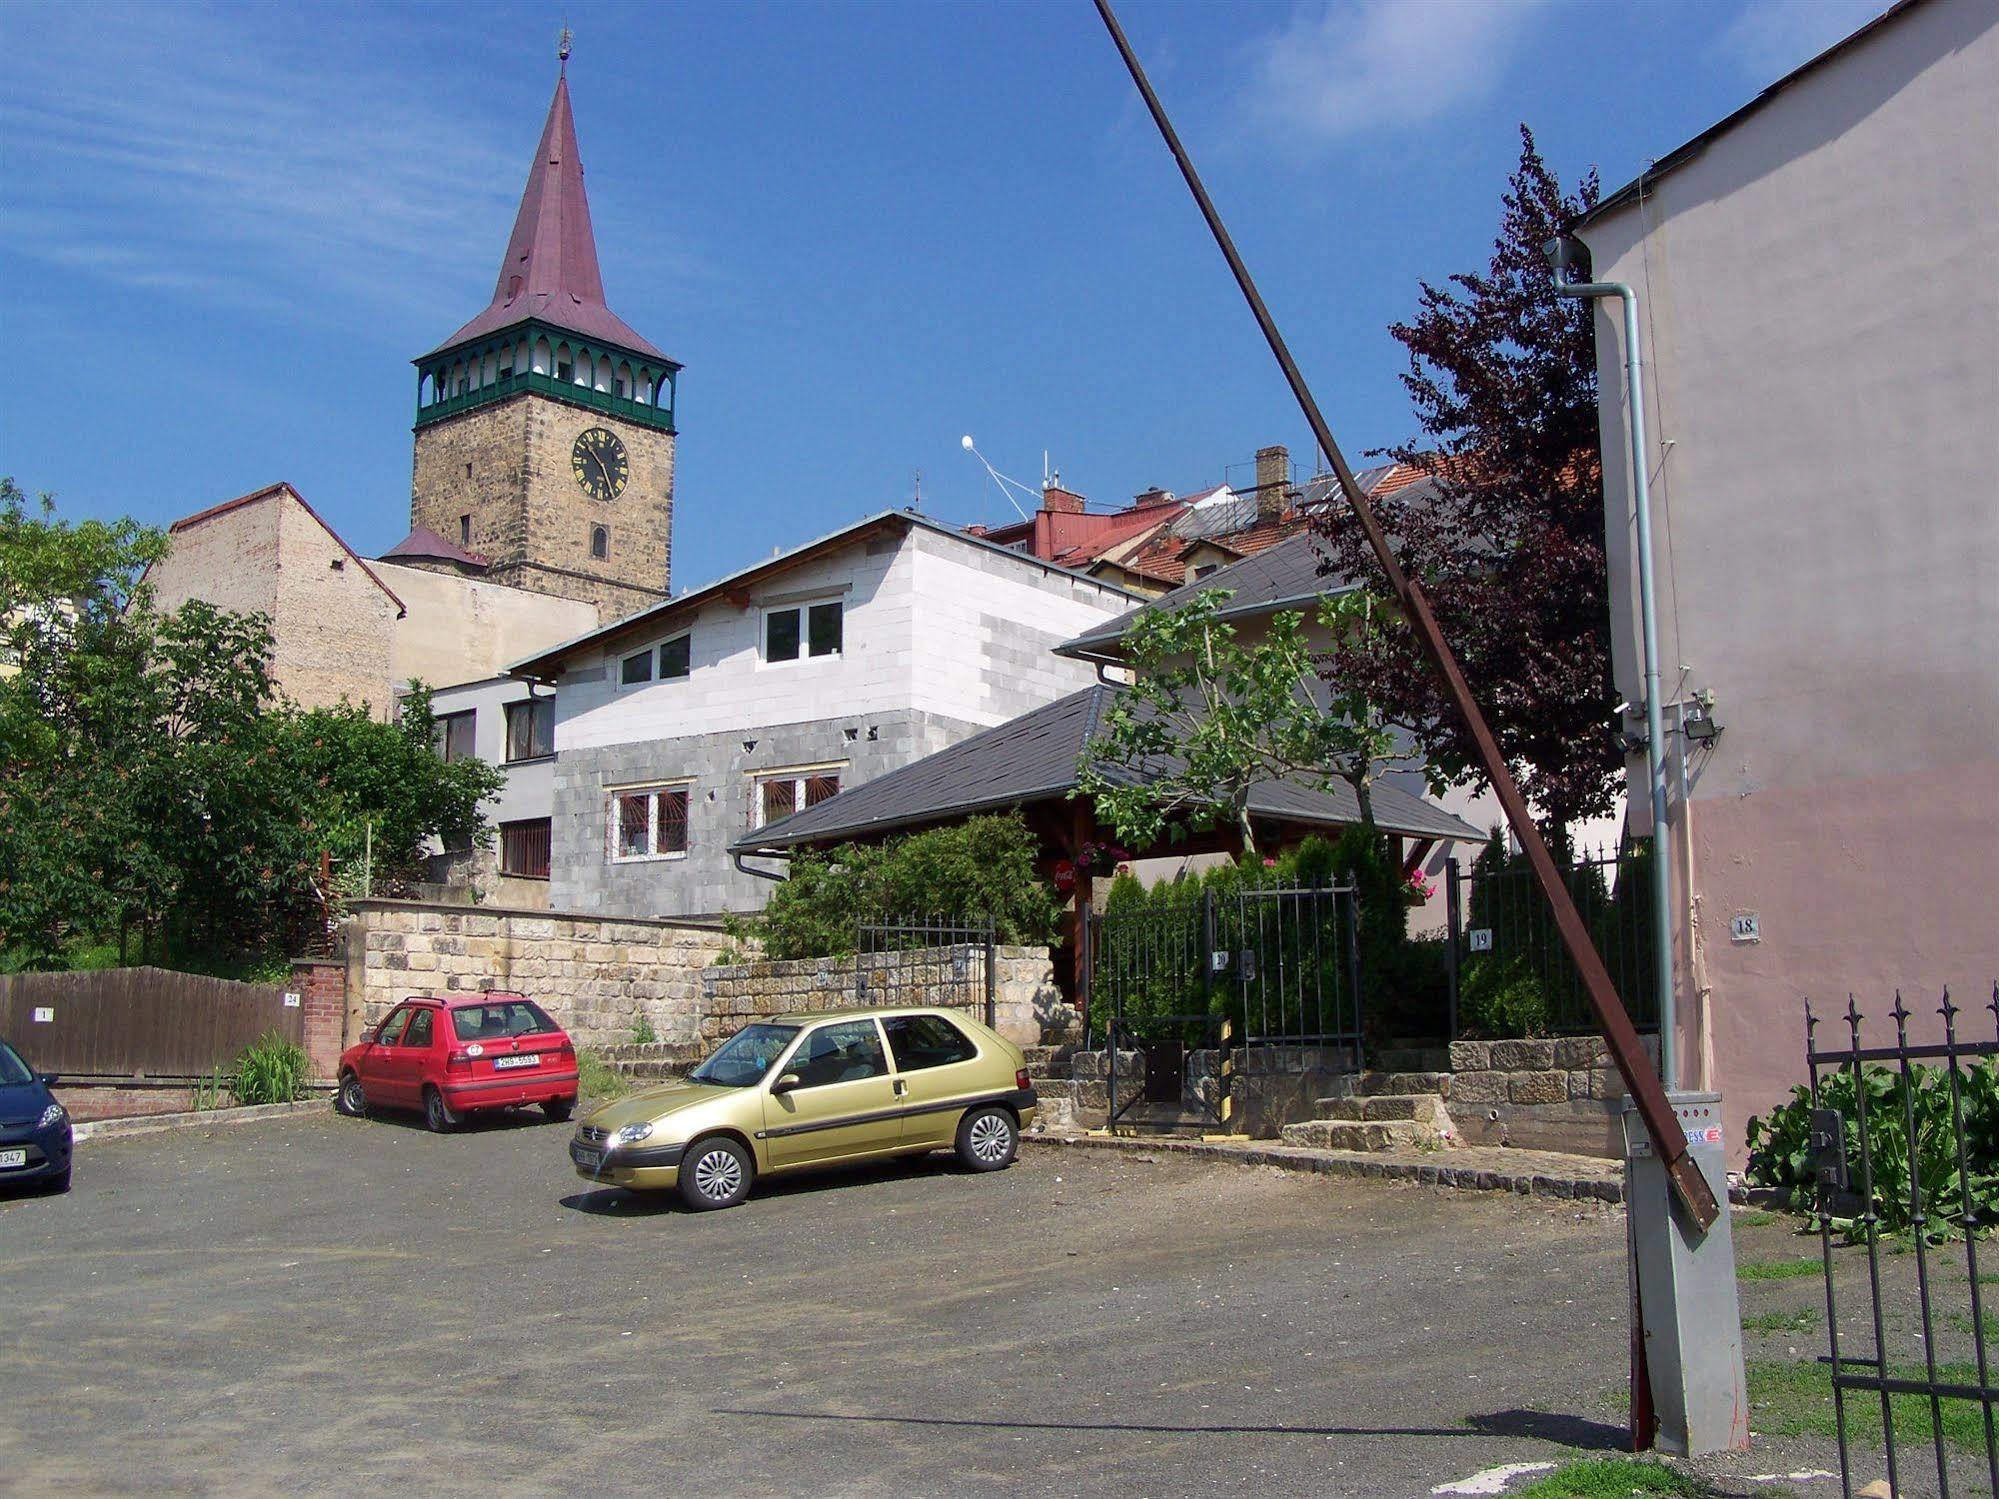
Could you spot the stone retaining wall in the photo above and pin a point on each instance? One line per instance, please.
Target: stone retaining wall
(1028, 1007)
(1273, 1086)
(1562, 1094)
(596, 976)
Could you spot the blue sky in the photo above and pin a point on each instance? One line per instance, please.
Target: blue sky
(865, 229)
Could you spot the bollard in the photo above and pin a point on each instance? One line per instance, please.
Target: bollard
(1684, 1292)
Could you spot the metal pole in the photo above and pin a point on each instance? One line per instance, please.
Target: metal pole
(1451, 923)
(1648, 613)
(1648, 1097)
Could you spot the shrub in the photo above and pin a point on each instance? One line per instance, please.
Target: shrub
(273, 1070)
(1780, 1149)
(1503, 997)
(968, 872)
(643, 1033)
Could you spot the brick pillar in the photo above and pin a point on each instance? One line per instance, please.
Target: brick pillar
(321, 984)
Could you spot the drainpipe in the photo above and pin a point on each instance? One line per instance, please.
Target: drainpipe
(1560, 252)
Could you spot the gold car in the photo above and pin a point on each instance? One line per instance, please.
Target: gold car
(815, 1090)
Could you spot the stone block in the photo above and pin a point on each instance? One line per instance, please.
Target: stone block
(1471, 1056)
(1580, 1053)
(1479, 1087)
(1523, 1056)
(1538, 1087)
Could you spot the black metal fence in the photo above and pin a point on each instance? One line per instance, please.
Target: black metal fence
(1281, 966)
(1919, 1167)
(928, 961)
(1509, 972)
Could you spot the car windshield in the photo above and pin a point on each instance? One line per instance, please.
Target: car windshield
(499, 1020)
(745, 1057)
(13, 1071)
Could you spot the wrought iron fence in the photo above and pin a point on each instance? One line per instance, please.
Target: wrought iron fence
(928, 961)
(1282, 966)
(1508, 969)
(1865, 1112)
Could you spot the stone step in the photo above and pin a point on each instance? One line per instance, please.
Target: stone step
(1041, 1060)
(1335, 1134)
(1376, 1084)
(1423, 1108)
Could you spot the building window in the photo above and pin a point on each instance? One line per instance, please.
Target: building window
(600, 542)
(816, 629)
(635, 670)
(676, 658)
(649, 822)
(531, 729)
(524, 848)
(451, 735)
(781, 793)
(465, 521)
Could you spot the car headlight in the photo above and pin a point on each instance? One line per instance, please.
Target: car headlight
(631, 1134)
(53, 1115)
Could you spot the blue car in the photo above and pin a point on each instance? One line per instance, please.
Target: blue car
(34, 1128)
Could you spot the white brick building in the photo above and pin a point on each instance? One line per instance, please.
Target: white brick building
(681, 727)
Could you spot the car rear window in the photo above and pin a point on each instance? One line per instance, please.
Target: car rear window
(498, 1020)
(921, 1041)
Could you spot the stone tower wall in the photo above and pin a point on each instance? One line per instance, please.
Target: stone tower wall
(508, 467)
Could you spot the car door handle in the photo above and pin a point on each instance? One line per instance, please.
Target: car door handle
(901, 1087)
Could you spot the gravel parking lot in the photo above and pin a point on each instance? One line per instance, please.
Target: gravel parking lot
(317, 1305)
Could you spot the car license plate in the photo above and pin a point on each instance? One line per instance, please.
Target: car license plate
(12, 1158)
(500, 1064)
(589, 1160)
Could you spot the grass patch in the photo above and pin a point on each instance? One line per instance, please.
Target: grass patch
(1961, 1321)
(598, 1080)
(1802, 1320)
(1755, 1218)
(1778, 1270)
(1788, 1399)
(1605, 1477)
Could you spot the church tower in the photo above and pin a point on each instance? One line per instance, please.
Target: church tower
(544, 427)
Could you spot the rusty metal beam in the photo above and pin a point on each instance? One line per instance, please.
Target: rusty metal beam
(1689, 1186)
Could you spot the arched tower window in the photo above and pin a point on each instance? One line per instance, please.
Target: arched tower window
(603, 381)
(644, 392)
(426, 390)
(624, 381)
(600, 542)
(492, 368)
(665, 393)
(544, 361)
(458, 378)
(565, 363)
(520, 362)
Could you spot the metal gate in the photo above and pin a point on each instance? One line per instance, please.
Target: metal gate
(1217, 987)
(1872, 1116)
(927, 962)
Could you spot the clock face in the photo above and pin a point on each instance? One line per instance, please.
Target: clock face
(598, 461)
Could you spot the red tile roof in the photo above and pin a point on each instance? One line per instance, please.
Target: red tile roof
(425, 544)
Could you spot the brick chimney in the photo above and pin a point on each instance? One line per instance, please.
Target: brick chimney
(1151, 497)
(1273, 482)
(1062, 501)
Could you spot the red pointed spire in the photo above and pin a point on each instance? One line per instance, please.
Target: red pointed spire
(550, 270)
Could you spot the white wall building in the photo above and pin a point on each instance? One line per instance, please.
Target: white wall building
(681, 727)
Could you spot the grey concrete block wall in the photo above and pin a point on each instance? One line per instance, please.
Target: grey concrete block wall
(584, 878)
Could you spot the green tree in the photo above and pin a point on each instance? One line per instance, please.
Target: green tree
(1210, 715)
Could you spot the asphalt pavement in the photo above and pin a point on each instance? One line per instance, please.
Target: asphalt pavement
(320, 1305)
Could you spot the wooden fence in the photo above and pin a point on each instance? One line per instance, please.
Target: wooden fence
(122, 1022)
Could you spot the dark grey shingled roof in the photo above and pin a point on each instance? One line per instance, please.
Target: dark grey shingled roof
(1033, 758)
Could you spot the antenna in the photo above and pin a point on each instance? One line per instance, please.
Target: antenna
(562, 49)
(1003, 481)
(916, 501)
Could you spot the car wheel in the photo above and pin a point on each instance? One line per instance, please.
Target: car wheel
(352, 1098)
(987, 1138)
(437, 1114)
(715, 1173)
(558, 1109)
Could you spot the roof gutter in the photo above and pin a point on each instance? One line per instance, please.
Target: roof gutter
(1561, 254)
(763, 874)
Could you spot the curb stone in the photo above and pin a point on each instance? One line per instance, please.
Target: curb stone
(1526, 1174)
(147, 1124)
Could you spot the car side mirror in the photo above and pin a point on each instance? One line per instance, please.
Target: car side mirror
(50, 1079)
(786, 1083)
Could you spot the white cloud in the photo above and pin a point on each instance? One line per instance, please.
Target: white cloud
(1340, 69)
(1769, 38)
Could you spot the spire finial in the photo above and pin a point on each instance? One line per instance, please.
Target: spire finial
(562, 49)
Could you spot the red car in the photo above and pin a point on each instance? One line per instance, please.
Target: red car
(449, 1057)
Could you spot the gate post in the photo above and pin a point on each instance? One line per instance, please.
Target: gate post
(1354, 977)
(1451, 920)
(992, 974)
